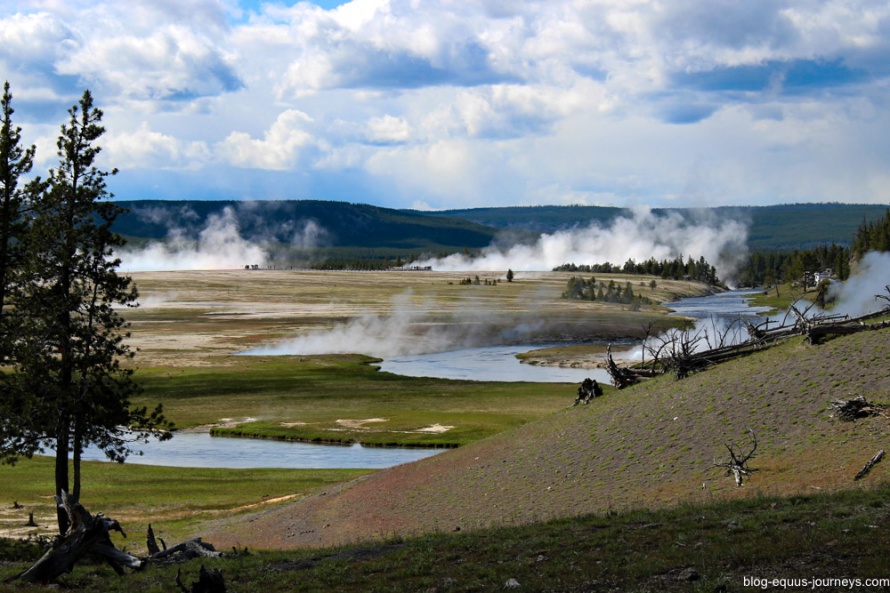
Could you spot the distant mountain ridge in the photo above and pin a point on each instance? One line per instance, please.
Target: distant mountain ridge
(779, 227)
(354, 227)
(303, 223)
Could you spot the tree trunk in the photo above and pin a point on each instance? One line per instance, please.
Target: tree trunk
(62, 433)
(85, 534)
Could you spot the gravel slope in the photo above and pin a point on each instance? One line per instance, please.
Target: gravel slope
(652, 445)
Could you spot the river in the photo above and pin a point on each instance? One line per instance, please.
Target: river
(199, 449)
(497, 363)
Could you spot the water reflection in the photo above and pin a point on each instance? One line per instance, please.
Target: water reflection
(199, 449)
(494, 363)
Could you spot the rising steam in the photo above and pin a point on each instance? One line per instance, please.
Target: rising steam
(639, 237)
(857, 295)
(219, 246)
(407, 331)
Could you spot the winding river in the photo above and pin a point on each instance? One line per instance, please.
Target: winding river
(498, 363)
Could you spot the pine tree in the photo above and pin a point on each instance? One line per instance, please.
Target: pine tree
(72, 339)
(14, 162)
(15, 411)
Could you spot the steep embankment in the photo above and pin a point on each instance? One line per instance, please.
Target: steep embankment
(652, 445)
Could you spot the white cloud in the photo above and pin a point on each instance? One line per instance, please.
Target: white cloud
(472, 103)
(388, 129)
(144, 148)
(278, 150)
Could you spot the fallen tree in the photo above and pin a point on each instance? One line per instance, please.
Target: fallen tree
(86, 534)
(682, 352)
(90, 535)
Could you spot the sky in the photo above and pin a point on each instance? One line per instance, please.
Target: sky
(442, 104)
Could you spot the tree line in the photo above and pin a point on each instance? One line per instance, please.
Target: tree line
(61, 337)
(578, 288)
(769, 268)
(872, 236)
(674, 269)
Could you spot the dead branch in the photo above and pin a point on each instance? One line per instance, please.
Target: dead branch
(871, 463)
(737, 466)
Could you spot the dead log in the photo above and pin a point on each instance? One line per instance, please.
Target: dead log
(871, 463)
(193, 548)
(621, 377)
(86, 534)
(849, 410)
(151, 543)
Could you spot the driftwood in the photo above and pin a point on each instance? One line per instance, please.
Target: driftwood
(737, 466)
(849, 410)
(86, 534)
(871, 463)
(679, 352)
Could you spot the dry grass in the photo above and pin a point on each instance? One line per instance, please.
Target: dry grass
(199, 318)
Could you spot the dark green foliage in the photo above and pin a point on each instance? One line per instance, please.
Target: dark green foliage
(588, 290)
(767, 268)
(15, 161)
(337, 224)
(780, 227)
(675, 269)
(68, 388)
(872, 236)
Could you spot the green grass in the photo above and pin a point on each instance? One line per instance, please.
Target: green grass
(302, 398)
(176, 499)
(695, 548)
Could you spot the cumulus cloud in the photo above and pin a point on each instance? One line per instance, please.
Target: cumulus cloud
(507, 100)
(278, 150)
(144, 148)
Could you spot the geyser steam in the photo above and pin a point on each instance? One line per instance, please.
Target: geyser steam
(219, 246)
(639, 237)
(857, 295)
(406, 331)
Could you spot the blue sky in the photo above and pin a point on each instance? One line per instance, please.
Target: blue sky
(437, 104)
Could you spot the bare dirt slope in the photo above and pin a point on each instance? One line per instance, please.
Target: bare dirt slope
(652, 445)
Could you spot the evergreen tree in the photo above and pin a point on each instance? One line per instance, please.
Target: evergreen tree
(72, 340)
(15, 411)
(14, 162)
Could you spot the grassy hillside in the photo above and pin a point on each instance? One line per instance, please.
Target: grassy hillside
(646, 447)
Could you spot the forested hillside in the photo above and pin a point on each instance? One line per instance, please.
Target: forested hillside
(350, 230)
(305, 223)
(781, 227)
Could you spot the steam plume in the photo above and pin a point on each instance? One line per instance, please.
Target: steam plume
(639, 237)
(856, 296)
(218, 246)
